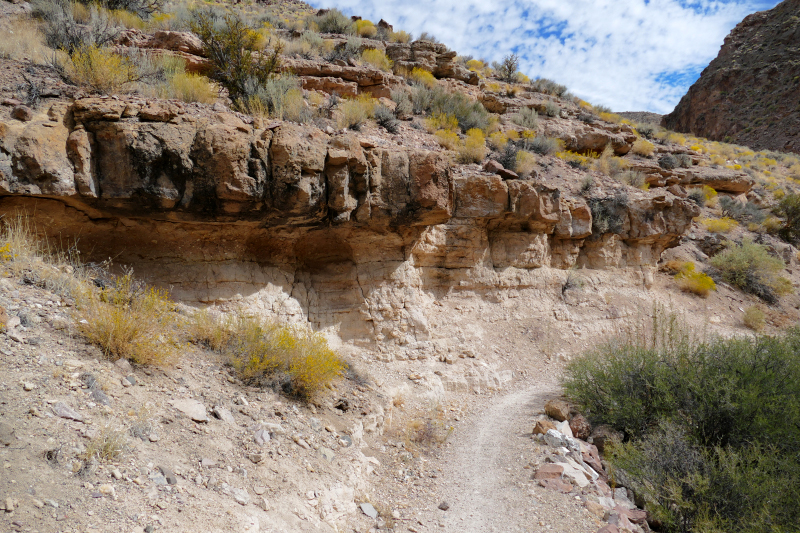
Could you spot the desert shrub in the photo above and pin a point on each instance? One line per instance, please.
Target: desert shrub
(422, 76)
(646, 130)
(507, 69)
(142, 8)
(365, 28)
(718, 225)
(697, 196)
(711, 427)
(543, 145)
(643, 148)
(789, 210)
(551, 109)
(63, 32)
(507, 156)
(497, 140)
(400, 37)
(525, 163)
(353, 112)
(425, 36)
(545, 86)
(575, 160)
(386, 119)
(441, 121)
(634, 178)
(587, 186)
(343, 51)
(238, 61)
(668, 162)
(99, 69)
(751, 268)
(294, 358)
(403, 105)
(690, 280)
(307, 46)
(608, 214)
(378, 59)
(527, 118)
(333, 21)
(609, 164)
(754, 318)
(129, 320)
(741, 212)
(191, 88)
(468, 113)
(684, 160)
(278, 97)
(447, 138)
(473, 149)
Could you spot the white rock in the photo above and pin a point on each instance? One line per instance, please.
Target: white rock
(191, 408)
(241, 496)
(564, 429)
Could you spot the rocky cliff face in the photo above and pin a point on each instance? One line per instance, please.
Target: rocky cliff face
(749, 94)
(309, 226)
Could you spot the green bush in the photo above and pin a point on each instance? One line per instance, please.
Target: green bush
(668, 162)
(747, 212)
(545, 86)
(789, 210)
(751, 268)
(551, 109)
(238, 62)
(543, 145)
(527, 118)
(333, 21)
(386, 119)
(712, 428)
(470, 114)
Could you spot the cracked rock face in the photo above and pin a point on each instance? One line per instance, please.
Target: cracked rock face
(326, 229)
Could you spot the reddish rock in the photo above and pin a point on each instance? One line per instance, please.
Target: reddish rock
(22, 113)
(508, 174)
(549, 471)
(556, 484)
(608, 529)
(492, 166)
(581, 428)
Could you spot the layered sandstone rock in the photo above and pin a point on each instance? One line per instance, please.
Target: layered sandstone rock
(304, 225)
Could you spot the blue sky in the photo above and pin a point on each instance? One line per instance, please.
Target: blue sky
(630, 55)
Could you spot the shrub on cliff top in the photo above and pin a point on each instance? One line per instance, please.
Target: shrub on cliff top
(239, 62)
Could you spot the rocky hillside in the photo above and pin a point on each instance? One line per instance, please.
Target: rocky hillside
(749, 94)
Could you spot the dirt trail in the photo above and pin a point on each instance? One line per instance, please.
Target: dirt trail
(485, 479)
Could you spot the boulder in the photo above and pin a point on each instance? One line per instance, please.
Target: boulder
(604, 435)
(581, 429)
(557, 409)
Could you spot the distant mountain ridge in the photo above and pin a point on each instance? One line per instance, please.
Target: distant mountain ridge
(750, 94)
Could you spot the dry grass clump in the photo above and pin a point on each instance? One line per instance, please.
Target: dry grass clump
(690, 280)
(609, 164)
(377, 58)
(191, 88)
(26, 256)
(643, 148)
(365, 28)
(99, 69)
(473, 149)
(422, 76)
(525, 164)
(718, 225)
(109, 443)
(447, 139)
(22, 39)
(400, 37)
(295, 358)
(126, 319)
(754, 318)
(353, 112)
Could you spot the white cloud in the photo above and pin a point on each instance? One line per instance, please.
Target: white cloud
(630, 55)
